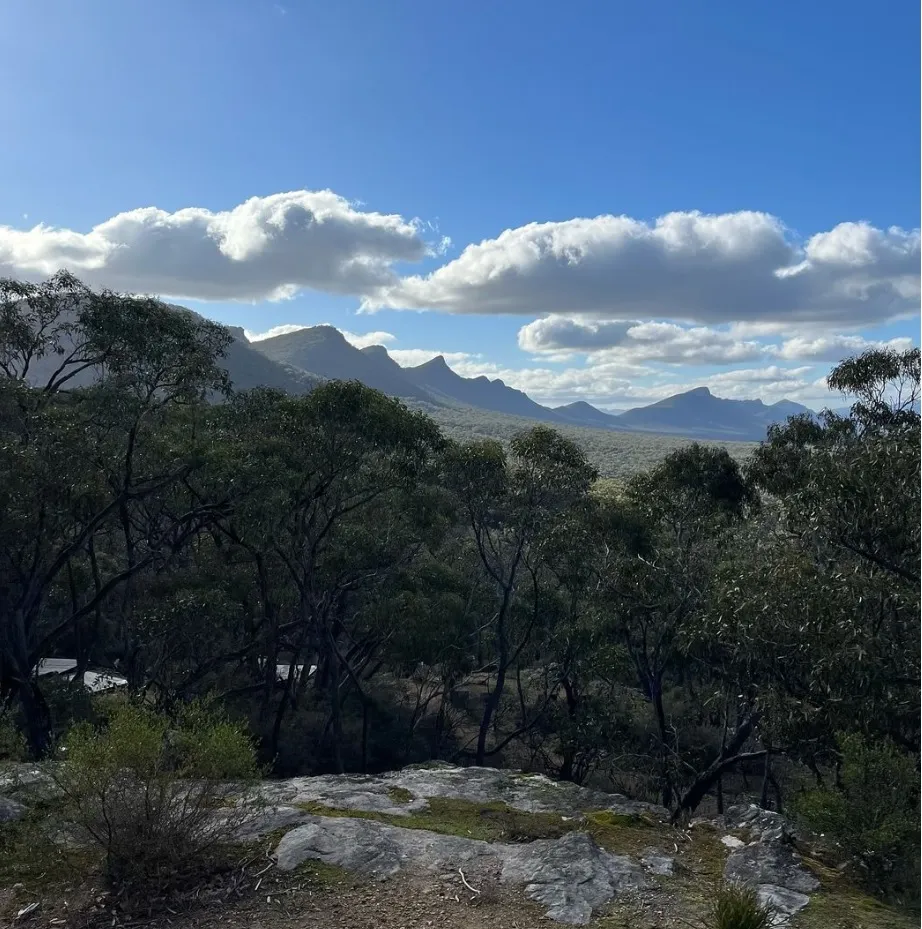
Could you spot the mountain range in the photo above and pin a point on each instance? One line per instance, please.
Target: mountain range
(322, 351)
(296, 362)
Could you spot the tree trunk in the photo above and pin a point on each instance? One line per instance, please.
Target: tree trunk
(728, 757)
(37, 718)
(493, 699)
(766, 778)
(496, 694)
(656, 693)
(568, 751)
(336, 709)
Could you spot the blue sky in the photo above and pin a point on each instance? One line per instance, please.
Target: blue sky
(667, 194)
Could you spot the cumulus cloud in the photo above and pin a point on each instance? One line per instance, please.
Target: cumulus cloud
(364, 339)
(834, 348)
(689, 266)
(637, 341)
(267, 248)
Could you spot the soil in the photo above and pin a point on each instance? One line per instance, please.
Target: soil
(310, 898)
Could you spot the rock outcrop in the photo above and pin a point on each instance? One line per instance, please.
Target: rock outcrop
(571, 875)
(768, 862)
(581, 850)
(530, 793)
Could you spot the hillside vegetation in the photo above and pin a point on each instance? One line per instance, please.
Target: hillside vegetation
(329, 582)
(613, 454)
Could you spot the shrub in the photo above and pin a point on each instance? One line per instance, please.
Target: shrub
(874, 817)
(150, 791)
(736, 906)
(12, 743)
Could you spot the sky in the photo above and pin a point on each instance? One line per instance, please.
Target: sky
(601, 201)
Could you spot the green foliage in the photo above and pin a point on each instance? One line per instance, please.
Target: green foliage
(617, 455)
(12, 744)
(148, 792)
(874, 818)
(366, 588)
(737, 907)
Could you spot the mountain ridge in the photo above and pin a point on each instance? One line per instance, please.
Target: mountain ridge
(298, 361)
(696, 413)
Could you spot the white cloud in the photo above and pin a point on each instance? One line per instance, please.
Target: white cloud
(411, 357)
(358, 339)
(685, 266)
(637, 342)
(837, 347)
(284, 329)
(614, 386)
(364, 339)
(267, 248)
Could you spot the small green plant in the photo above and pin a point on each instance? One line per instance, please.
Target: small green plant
(12, 743)
(874, 818)
(150, 792)
(736, 906)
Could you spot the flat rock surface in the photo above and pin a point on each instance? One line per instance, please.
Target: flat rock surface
(570, 876)
(530, 793)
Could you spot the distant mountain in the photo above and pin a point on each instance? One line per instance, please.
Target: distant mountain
(699, 414)
(324, 351)
(436, 378)
(248, 368)
(380, 353)
(297, 361)
(585, 414)
(245, 366)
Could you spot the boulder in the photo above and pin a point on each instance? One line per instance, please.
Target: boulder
(776, 871)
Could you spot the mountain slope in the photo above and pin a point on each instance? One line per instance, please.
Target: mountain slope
(440, 381)
(248, 368)
(584, 414)
(698, 413)
(324, 351)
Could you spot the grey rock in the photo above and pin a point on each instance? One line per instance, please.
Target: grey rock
(528, 793)
(769, 863)
(571, 876)
(260, 820)
(359, 792)
(657, 862)
(11, 810)
(731, 841)
(764, 824)
(25, 778)
(376, 849)
(775, 870)
(785, 903)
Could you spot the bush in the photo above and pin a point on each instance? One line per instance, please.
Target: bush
(150, 792)
(874, 817)
(12, 743)
(736, 906)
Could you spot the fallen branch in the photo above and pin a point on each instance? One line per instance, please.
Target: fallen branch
(464, 881)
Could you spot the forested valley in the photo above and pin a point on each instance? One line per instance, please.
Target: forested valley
(361, 592)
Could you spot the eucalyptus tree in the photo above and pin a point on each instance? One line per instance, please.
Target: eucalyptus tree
(333, 494)
(84, 476)
(509, 502)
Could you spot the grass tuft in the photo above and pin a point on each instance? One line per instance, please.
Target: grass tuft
(736, 906)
